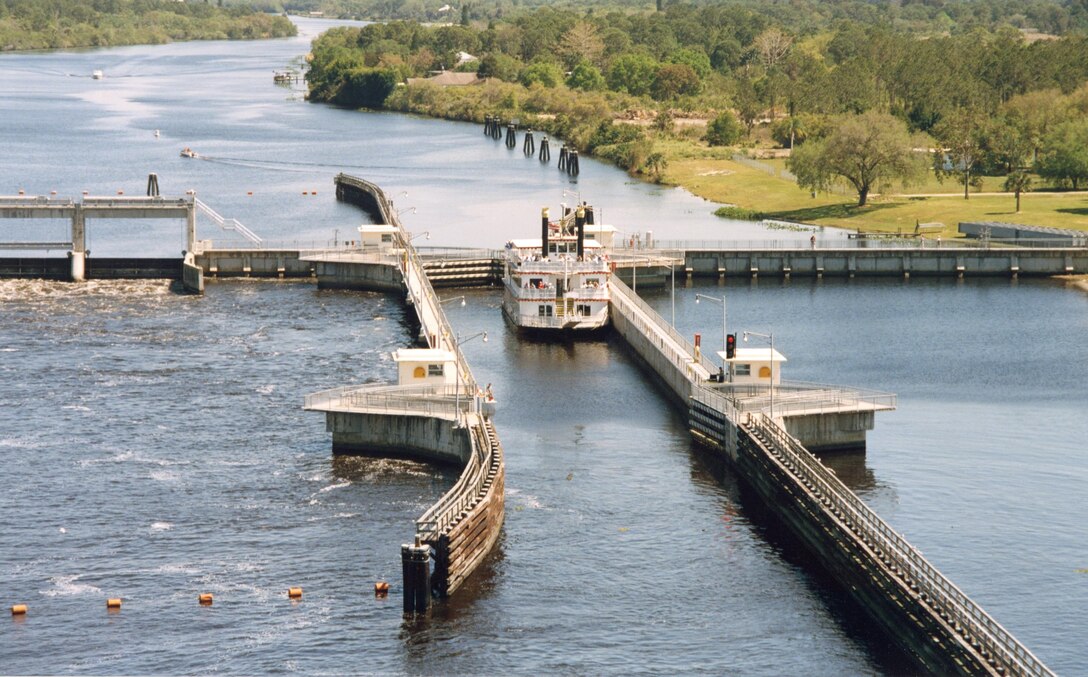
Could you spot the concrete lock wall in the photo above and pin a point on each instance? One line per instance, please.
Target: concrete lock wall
(192, 276)
(361, 276)
(414, 437)
(247, 263)
(676, 381)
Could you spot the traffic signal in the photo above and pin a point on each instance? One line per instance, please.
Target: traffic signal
(730, 346)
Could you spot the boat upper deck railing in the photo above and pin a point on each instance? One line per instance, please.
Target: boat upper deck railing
(902, 558)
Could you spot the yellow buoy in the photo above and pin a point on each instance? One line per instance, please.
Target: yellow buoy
(18, 609)
(113, 603)
(294, 593)
(206, 599)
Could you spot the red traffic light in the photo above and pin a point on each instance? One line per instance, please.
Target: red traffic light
(730, 346)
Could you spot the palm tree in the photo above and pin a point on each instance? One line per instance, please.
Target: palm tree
(655, 166)
(1017, 182)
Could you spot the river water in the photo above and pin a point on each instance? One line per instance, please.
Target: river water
(155, 448)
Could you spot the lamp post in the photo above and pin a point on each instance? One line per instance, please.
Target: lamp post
(770, 338)
(452, 299)
(425, 234)
(724, 335)
(457, 341)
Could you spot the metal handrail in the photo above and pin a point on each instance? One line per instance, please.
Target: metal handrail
(903, 558)
(622, 293)
(802, 245)
(792, 396)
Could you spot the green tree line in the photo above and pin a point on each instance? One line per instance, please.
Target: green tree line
(51, 24)
(989, 101)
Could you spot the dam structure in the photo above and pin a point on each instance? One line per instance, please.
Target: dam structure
(436, 412)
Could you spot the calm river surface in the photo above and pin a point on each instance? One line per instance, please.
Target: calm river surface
(154, 446)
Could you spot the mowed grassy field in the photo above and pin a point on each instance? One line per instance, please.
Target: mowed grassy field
(709, 173)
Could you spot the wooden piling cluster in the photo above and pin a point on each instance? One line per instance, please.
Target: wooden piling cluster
(568, 157)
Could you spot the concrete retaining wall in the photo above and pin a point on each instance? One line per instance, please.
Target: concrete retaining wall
(192, 276)
(948, 261)
(831, 432)
(254, 263)
(362, 276)
(677, 383)
(415, 437)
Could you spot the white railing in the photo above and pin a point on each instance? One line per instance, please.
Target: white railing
(227, 224)
(797, 396)
(839, 244)
(442, 401)
(902, 558)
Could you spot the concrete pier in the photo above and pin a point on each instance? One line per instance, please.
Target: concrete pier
(917, 607)
(437, 423)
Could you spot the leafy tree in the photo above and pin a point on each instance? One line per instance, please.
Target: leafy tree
(674, 79)
(747, 103)
(724, 130)
(632, 73)
(366, 87)
(586, 77)
(694, 57)
(960, 137)
(1064, 155)
(655, 166)
(501, 66)
(546, 73)
(1017, 182)
(866, 150)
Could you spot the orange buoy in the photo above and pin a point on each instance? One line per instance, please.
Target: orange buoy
(249, 192)
(294, 593)
(305, 192)
(313, 192)
(205, 599)
(18, 609)
(120, 192)
(86, 192)
(52, 192)
(113, 603)
(22, 192)
(381, 588)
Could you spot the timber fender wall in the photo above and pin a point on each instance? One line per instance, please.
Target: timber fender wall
(462, 545)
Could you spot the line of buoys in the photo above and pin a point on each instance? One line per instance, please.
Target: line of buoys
(18, 609)
(529, 147)
(545, 152)
(294, 593)
(205, 599)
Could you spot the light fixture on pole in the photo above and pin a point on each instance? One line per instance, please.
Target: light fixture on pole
(457, 342)
(426, 235)
(770, 338)
(452, 299)
(720, 300)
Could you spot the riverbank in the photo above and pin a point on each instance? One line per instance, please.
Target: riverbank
(715, 174)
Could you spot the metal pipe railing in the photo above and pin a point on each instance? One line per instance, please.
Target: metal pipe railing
(683, 353)
(904, 560)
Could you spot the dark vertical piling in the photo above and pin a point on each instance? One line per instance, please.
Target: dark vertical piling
(545, 152)
(511, 136)
(563, 158)
(529, 147)
(572, 163)
(416, 566)
(152, 185)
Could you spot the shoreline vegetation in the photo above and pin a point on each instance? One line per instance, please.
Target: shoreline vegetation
(978, 125)
(65, 24)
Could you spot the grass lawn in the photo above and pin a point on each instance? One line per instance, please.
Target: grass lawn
(709, 173)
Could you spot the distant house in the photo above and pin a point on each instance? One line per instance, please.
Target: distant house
(450, 79)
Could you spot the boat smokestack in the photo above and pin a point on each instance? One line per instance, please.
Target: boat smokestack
(544, 233)
(580, 225)
(589, 215)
